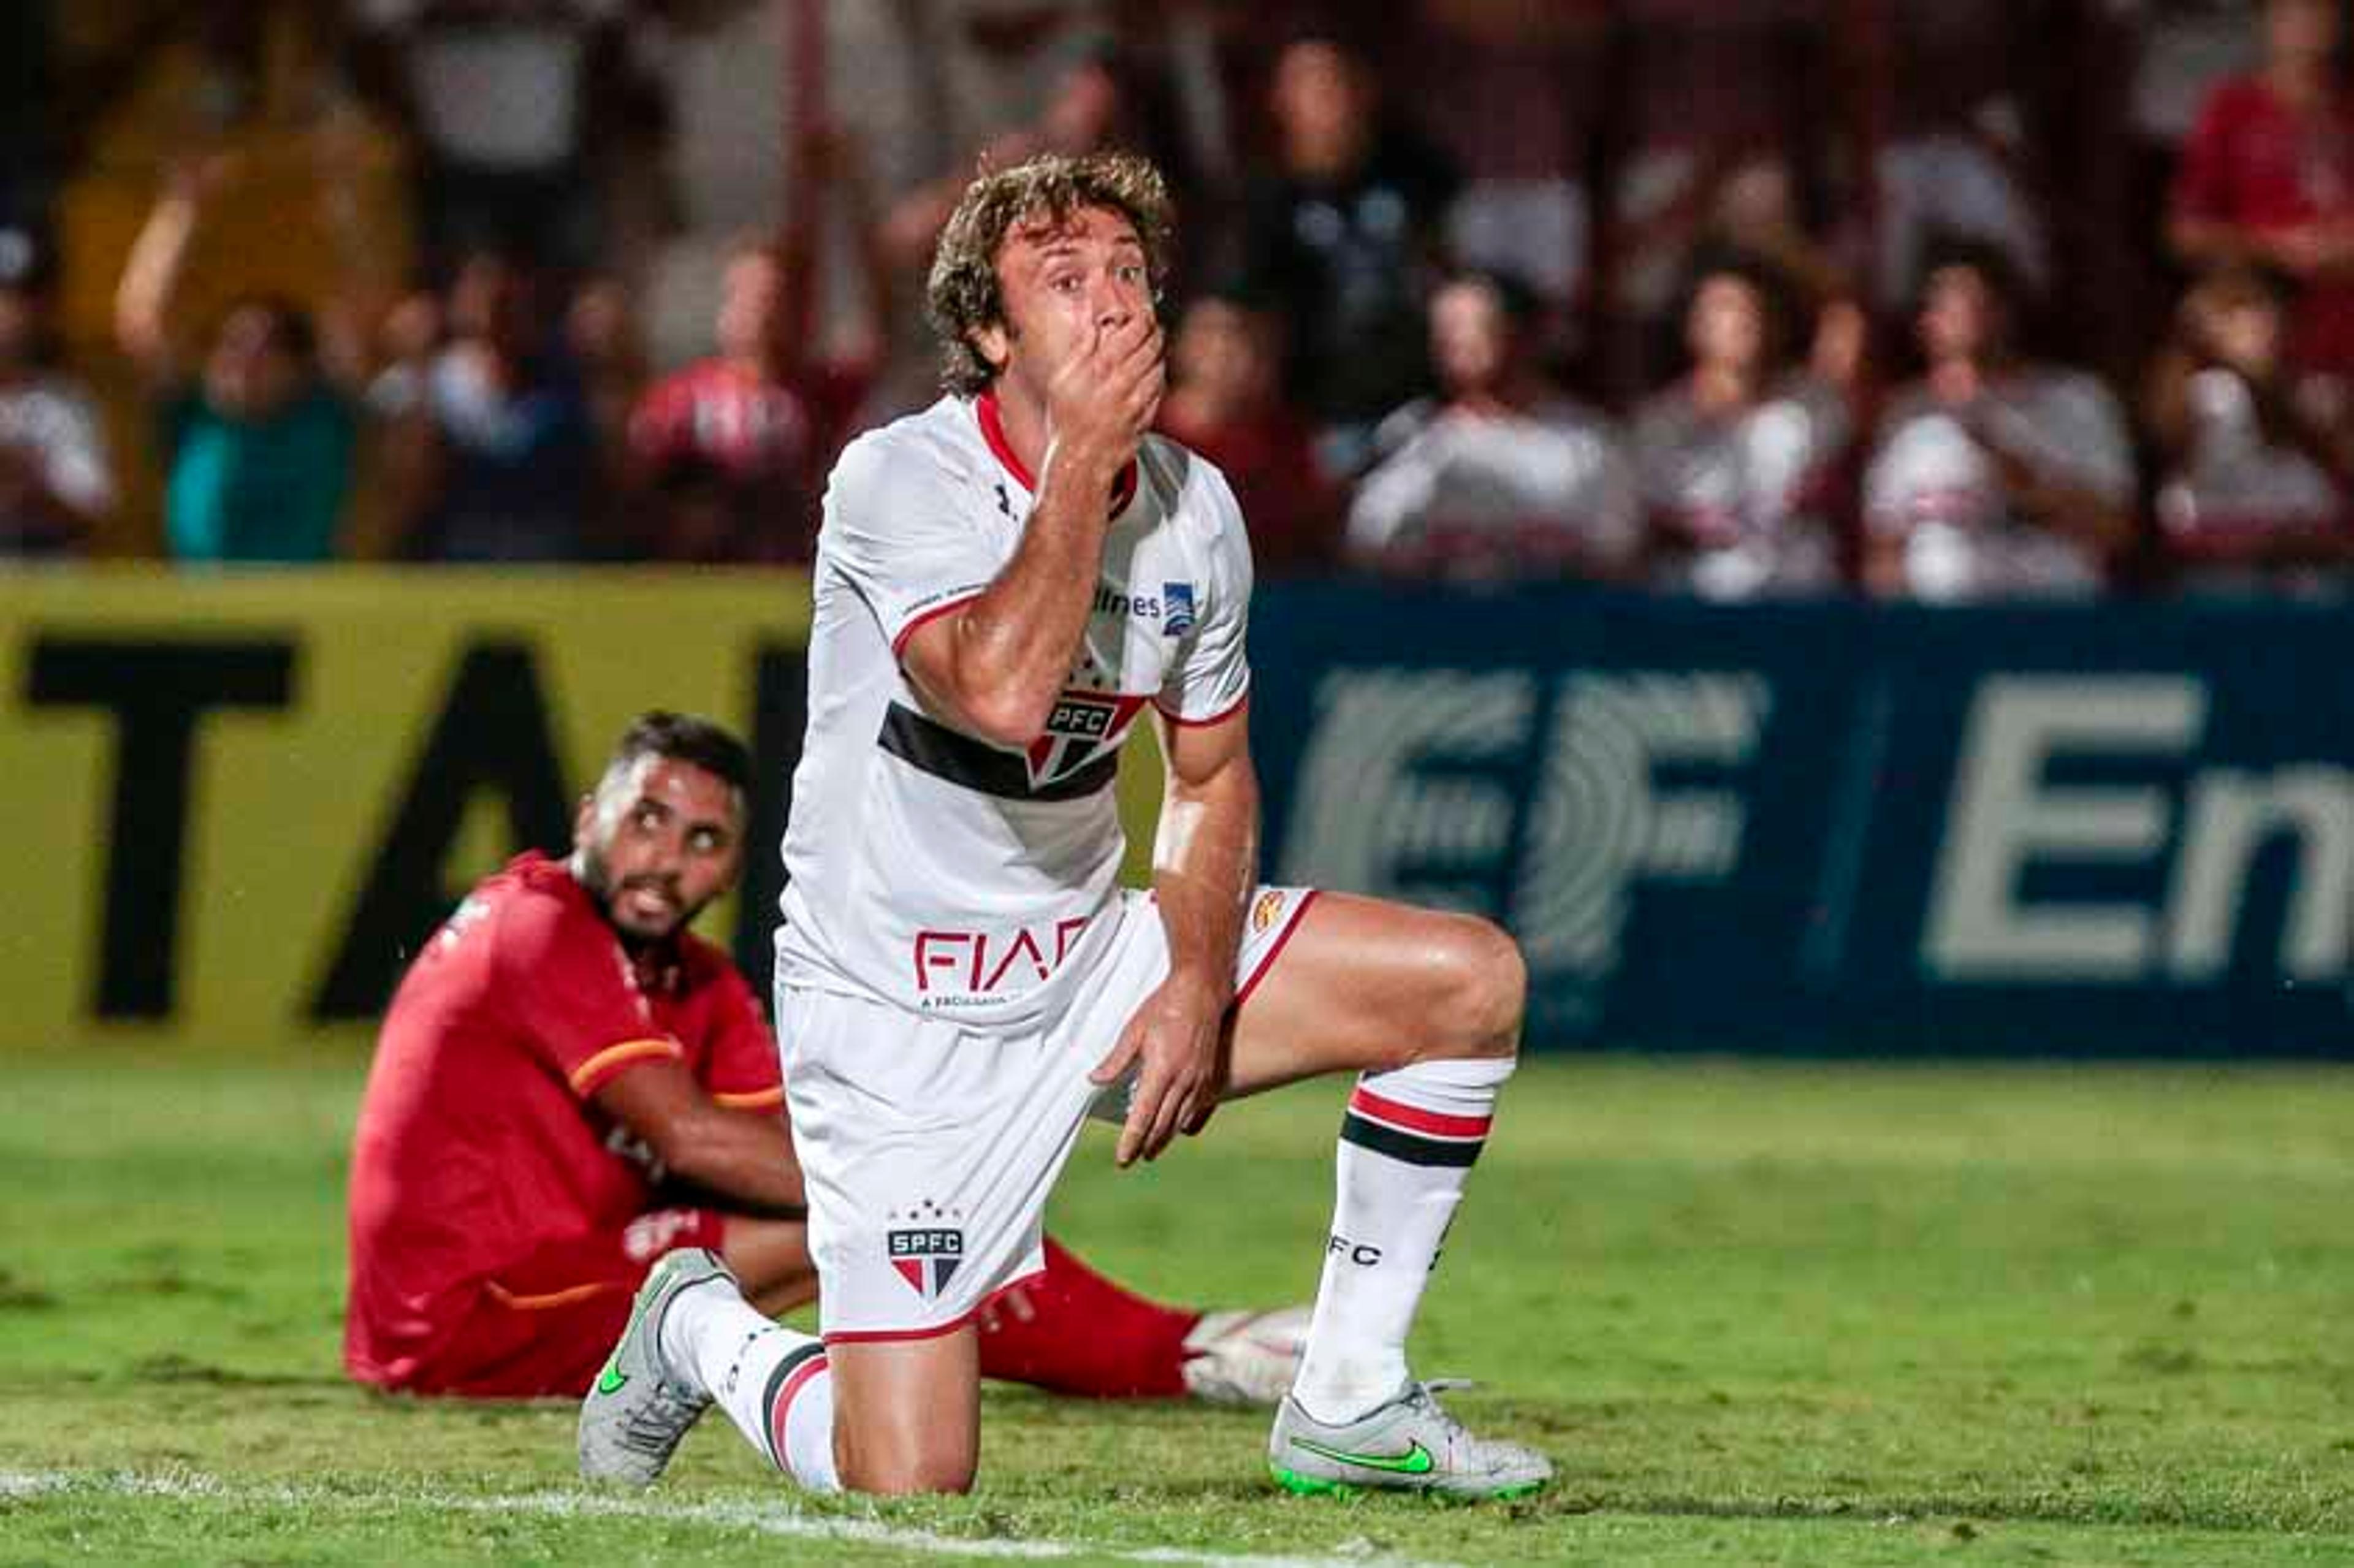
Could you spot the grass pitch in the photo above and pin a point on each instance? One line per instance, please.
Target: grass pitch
(1806, 1314)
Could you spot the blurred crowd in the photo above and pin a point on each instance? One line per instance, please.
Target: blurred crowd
(1841, 320)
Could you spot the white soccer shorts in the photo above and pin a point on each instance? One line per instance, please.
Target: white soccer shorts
(930, 1148)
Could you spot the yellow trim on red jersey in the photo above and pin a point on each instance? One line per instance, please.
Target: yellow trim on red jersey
(611, 1055)
(752, 1099)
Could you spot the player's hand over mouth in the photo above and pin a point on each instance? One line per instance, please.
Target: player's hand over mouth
(1102, 400)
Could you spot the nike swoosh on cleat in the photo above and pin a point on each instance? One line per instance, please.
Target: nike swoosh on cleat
(610, 1379)
(1414, 1461)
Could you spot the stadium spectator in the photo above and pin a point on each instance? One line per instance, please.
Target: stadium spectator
(2258, 462)
(259, 444)
(1737, 459)
(746, 435)
(1503, 476)
(569, 1083)
(56, 482)
(490, 444)
(1994, 475)
(1342, 231)
(2268, 177)
(1226, 401)
(1724, 115)
(538, 124)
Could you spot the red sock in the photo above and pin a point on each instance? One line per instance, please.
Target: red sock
(1074, 1332)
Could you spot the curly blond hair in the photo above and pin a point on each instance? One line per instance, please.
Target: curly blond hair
(963, 295)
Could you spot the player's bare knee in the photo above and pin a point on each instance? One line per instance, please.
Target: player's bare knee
(1488, 991)
(905, 1473)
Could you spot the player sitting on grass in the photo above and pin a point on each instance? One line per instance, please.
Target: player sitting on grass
(1005, 583)
(570, 1084)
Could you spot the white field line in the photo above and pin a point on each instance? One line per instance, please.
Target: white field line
(780, 1519)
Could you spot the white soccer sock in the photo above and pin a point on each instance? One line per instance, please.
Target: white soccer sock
(773, 1383)
(1406, 1143)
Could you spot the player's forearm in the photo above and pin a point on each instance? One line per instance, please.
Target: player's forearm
(743, 1162)
(1204, 858)
(1014, 645)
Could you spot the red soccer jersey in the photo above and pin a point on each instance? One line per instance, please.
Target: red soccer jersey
(2254, 162)
(478, 1143)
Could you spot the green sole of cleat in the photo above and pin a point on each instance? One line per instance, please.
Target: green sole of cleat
(1309, 1486)
(1318, 1487)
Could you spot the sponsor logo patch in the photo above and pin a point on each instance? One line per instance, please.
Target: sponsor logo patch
(1265, 910)
(1176, 608)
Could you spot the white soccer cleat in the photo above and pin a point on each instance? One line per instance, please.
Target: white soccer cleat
(636, 1412)
(1245, 1357)
(1406, 1444)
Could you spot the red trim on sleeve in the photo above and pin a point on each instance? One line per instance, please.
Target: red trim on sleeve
(1274, 950)
(894, 1336)
(1414, 1119)
(1221, 716)
(899, 643)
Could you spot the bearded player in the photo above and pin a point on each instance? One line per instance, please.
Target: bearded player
(1005, 583)
(569, 1083)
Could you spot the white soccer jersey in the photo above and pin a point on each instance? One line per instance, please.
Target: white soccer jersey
(1483, 495)
(928, 868)
(1932, 485)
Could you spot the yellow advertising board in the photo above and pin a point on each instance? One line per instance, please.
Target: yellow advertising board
(237, 800)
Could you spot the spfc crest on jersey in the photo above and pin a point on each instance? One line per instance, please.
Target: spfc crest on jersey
(925, 1243)
(1176, 608)
(1083, 726)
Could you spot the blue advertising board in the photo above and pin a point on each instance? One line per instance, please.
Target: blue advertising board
(1840, 828)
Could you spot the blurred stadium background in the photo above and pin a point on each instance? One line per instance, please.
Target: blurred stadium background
(398, 394)
(395, 395)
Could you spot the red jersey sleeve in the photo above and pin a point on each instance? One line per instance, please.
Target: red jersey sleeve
(568, 993)
(741, 1070)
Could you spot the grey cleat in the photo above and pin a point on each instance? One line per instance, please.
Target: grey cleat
(1406, 1444)
(636, 1412)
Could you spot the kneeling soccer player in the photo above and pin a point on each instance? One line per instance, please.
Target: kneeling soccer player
(1004, 583)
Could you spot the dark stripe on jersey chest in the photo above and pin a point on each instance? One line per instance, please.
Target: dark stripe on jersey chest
(932, 748)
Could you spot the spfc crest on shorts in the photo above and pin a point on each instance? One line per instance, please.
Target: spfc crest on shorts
(1176, 608)
(926, 1255)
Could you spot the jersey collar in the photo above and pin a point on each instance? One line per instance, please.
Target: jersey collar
(993, 430)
